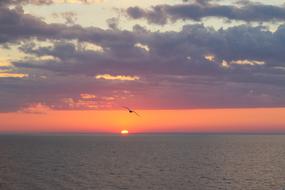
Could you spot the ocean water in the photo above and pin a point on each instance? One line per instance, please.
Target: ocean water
(142, 162)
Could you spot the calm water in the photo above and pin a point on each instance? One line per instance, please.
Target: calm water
(167, 162)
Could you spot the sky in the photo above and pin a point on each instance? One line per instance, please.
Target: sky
(204, 65)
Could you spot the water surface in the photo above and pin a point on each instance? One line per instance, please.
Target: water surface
(141, 162)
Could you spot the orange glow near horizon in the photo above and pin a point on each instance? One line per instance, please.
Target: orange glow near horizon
(193, 121)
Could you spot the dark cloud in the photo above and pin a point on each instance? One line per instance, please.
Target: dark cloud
(5, 3)
(198, 10)
(69, 16)
(113, 23)
(39, 2)
(157, 15)
(17, 26)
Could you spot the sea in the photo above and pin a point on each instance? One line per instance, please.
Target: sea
(142, 162)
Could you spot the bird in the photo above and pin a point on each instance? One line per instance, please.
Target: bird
(131, 111)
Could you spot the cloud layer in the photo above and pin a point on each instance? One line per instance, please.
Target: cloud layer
(245, 11)
(69, 66)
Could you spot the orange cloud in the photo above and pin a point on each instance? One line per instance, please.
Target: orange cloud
(13, 75)
(86, 103)
(248, 62)
(4, 63)
(88, 96)
(210, 57)
(117, 77)
(37, 108)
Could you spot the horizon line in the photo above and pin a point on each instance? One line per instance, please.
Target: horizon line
(138, 133)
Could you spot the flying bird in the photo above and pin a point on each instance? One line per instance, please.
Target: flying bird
(131, 111)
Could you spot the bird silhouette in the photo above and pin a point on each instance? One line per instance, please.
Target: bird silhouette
(131, 111)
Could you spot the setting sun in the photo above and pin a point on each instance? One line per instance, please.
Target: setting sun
(124, 132)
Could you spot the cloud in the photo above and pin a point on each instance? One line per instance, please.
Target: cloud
(46, 2)
(142, 46)
(5, 63)
(76, 1)
(80, 103)
(248, 62)
(242, 66)
(114, 51)
(117, 77)
(210, 57)
(13, 75)
(36, 108)
(113, 23)
(235, 67)
(86, 46)
(88, 96)
(15, 25)
(157, 15)
(198, 10)
(70, 17)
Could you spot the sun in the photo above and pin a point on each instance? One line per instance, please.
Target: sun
(124, 132)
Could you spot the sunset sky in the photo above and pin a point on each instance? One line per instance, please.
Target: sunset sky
(184, 65)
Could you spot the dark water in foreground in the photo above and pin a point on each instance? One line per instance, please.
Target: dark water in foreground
(167, 162)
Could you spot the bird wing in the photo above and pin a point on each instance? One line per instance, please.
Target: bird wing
(126, 108)
(136, 113)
